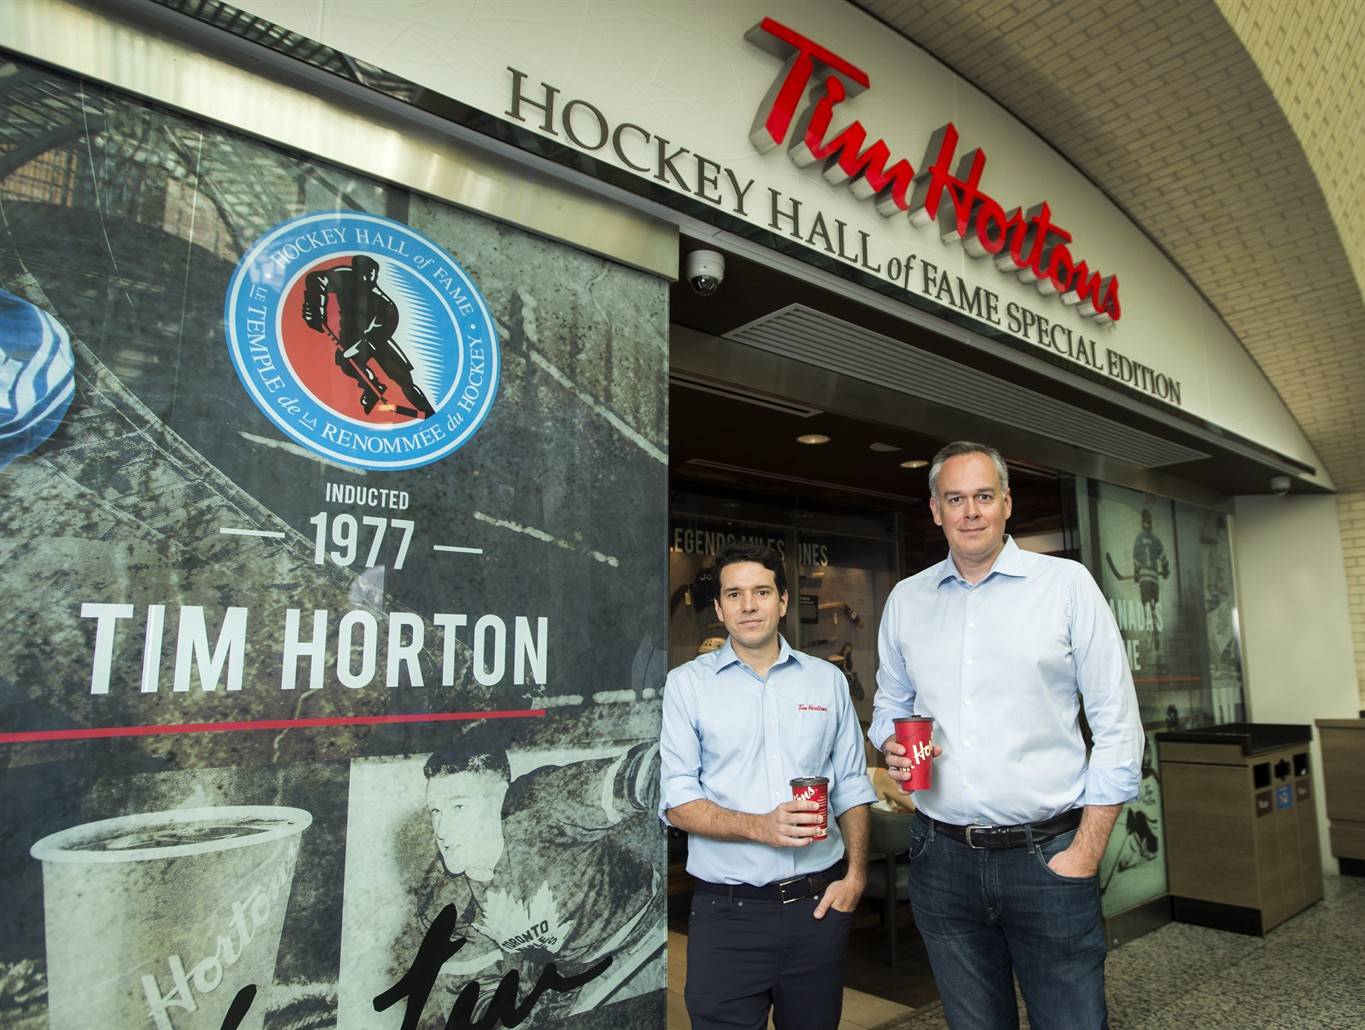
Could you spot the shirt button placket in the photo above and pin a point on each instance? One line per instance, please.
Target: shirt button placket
(770, 743)
(968, 637)
(968, 682)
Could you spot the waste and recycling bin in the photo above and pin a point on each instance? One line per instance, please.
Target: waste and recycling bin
(1241, 828)
(1343, 778)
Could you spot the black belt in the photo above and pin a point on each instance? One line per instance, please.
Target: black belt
(1010, 836)
(798, 888)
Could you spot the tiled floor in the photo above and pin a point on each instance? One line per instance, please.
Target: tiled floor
(1308, 974)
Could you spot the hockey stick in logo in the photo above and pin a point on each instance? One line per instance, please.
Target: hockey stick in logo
(362, 369)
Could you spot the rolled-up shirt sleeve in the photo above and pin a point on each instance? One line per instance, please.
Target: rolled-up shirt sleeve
(849, 785)
(1111, 708)
(895, 692)
(679, 747)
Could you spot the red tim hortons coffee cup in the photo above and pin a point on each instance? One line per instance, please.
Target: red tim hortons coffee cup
(916, 735)
(814, 788)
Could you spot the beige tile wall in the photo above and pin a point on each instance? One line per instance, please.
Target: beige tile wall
(1351, 514)
(1310, 53)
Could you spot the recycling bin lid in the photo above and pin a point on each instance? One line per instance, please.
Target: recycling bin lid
(1252, 737)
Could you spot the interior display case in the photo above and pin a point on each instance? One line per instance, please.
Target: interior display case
(840, 570)
(842, 586)
(694, 540)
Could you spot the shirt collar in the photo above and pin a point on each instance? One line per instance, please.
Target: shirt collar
(1009, 562)
(725, 655)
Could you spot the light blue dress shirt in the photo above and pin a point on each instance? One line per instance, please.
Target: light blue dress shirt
(1001, 667)
(738, 740)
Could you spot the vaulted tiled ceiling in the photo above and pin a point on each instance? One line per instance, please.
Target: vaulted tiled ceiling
(1232, 133)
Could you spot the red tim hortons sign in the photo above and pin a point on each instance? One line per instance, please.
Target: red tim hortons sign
(802, 106)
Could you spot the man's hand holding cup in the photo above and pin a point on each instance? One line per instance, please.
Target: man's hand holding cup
(791, 824)
(910, 752)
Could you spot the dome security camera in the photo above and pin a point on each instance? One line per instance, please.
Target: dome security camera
(1279, 485)
(705, 271)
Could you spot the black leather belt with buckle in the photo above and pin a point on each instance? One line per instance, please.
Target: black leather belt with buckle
(995, 837)
(797, 888)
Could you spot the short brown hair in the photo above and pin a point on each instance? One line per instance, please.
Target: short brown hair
(742, 551)
(960, 447)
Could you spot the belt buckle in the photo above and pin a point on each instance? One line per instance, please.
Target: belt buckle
(973, 844)
(782, 890)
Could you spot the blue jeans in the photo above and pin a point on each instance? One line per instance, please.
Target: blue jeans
(986, 914)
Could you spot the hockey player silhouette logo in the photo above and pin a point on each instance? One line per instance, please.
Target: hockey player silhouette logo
(363, 340)
(346, 303)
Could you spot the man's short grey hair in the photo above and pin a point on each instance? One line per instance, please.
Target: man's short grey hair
(960, 447)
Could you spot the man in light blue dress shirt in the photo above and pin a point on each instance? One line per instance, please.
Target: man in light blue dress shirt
(1002, 648)
(772, 905)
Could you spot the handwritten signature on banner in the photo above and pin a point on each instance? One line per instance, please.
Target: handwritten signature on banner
(415, 986)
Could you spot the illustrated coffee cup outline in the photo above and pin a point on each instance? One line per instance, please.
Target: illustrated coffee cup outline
(202, 915)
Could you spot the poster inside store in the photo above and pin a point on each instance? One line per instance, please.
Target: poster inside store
(1165, 568)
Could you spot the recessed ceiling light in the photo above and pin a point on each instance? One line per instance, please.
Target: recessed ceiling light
(882, 448)
(812, 438)
(914, 463)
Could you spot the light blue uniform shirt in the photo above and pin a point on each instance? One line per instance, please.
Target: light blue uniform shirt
(737, 740)
(1001, 667)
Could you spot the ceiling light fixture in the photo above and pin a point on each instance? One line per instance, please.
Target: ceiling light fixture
(914, 463)
(882, 448)
(812, 438)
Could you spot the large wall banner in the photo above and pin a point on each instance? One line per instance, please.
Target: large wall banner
(329, 692)
(1165, 568)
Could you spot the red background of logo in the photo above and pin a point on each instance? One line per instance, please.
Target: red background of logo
(312, 355)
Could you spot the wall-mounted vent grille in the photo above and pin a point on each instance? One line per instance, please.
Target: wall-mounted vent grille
(816, 338)
(694, 382)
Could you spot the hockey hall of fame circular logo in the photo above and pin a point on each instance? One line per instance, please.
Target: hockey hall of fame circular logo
(362, 340)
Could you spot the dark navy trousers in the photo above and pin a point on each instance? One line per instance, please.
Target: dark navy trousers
(744, 956)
